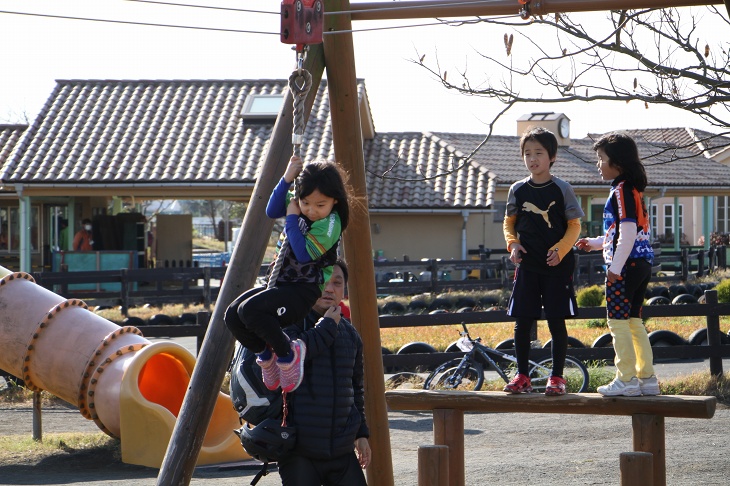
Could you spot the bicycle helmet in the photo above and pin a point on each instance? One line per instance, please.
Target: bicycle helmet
(269, 441)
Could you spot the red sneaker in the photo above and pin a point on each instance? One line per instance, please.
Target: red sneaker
(555, 386)
(519, 384)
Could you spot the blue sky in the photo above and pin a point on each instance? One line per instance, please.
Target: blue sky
(402, 96)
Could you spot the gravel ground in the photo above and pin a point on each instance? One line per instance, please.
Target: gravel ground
(513, 449)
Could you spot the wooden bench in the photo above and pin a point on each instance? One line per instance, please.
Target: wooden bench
(647, 415)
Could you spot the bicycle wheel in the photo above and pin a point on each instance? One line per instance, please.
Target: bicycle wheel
(451, 376)
(574, 372)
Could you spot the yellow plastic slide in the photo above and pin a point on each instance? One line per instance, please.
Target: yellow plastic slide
(131, 388)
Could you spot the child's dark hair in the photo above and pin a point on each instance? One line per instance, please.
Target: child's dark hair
(329, 179)
(624, 155)
(544, 137)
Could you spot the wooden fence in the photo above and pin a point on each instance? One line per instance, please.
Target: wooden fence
(495, 271)
(711, 310)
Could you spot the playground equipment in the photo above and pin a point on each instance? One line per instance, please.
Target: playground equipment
(130, 387)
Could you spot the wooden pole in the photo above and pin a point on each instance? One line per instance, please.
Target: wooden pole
(197, 408)
(347, 135)
(448, 430)
(713, 334)
(649, 436)
(433, 465)
(444, 9)
(636, 468)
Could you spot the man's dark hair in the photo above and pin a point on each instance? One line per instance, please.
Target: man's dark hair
(544, 137)
(341, 263)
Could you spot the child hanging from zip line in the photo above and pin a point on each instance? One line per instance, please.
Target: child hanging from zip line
(629, 256)
(317, 212)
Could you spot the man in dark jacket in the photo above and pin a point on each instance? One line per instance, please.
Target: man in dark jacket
(328, 409)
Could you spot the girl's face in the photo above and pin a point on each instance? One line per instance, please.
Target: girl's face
(316, 205)
(537, 160)
(607, 170)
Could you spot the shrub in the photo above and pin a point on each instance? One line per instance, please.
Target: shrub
(596, 324)
(723, 291)
(593, 296)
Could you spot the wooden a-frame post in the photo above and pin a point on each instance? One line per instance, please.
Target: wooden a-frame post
(215, 354)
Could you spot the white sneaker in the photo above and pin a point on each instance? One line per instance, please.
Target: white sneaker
(649, 386)
(618, 388)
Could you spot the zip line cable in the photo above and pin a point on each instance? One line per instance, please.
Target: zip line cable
(156, 2)
(337, 12)
(129, 22)
(409, 7)
(239, 31)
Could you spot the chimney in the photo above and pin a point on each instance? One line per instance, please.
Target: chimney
(557, 123)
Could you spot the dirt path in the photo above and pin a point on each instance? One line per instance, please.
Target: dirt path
(513, 449)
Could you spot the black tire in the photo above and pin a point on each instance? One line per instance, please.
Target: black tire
(506, 344)
(389, 369)
(675, 290)
(187, 318)
(684, 299)
(694, 290)
(465, 302)
(438, 311)
(440, 303)
(134, 321)
(665, 338)
(572, 343)
(603, 341)
(417, 305)
(489, 301)
(161, 320)
(659, 300)
(660, 291)
(453, 348)
(393, 307)
(414, 348)
(465, 309)
(575, 374)
(699, 338)
(440, 378)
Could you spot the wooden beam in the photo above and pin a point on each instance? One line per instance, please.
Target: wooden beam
(417, 9)
(217, 350)
(347, 136)
(572, 403)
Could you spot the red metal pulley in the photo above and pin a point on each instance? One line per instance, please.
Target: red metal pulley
(301, 22)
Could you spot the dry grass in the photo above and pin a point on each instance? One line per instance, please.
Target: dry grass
(441, 336)
(22, 449)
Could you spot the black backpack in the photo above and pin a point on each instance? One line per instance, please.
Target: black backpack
(251, 399)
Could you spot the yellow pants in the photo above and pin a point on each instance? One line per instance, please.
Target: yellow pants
(633, 350)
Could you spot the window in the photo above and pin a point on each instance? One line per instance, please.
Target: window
(262, 107)
(654, 222)
(10, 229)
(669, 221)
(723, 214)
(499, 208)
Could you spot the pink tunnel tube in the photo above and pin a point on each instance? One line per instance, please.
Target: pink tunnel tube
(127, 385)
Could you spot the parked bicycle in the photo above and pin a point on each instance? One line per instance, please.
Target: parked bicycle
(467, 373)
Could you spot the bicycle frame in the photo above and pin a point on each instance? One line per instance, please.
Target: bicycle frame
(485, 352)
